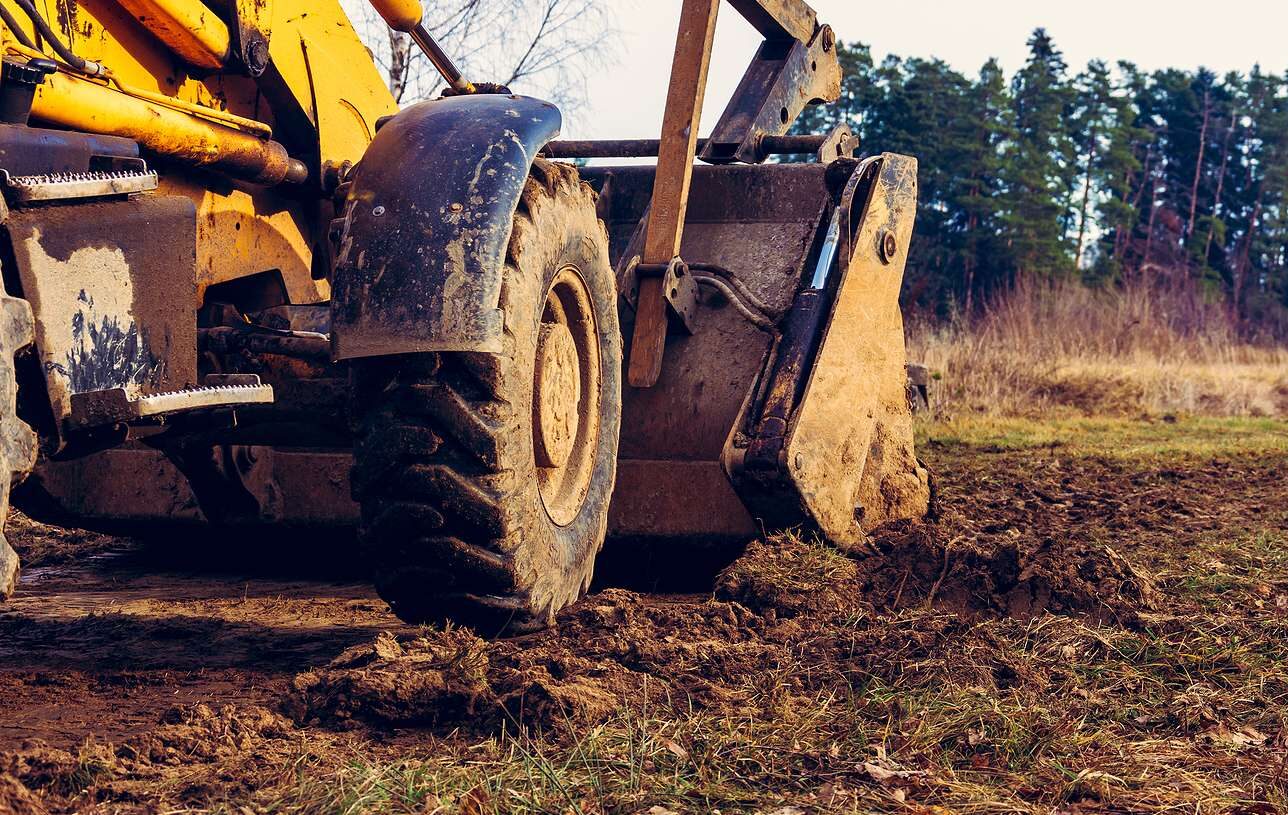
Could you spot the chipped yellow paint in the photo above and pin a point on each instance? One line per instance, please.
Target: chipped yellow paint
(96, 285)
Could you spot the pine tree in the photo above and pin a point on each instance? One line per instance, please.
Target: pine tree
(1039, 167)
(985, 127)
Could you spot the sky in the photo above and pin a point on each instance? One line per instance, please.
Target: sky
(626, 98)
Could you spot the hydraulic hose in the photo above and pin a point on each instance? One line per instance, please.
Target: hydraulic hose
(79, 63)
(13, 26)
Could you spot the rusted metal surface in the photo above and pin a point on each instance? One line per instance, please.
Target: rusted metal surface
(39, 151)
(27, 189)
(779, 19)
(667, 498)
(759, 223)
(918, 387)
(116, 405)
(665, 226)
(105, 281)
(234, 339)
(426, 225)
(781, 80)
(252, 28)
(679, 290)
(838, 144)
(138, 485)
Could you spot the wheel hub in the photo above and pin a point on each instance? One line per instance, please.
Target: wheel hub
(557, 395)
(566, 399)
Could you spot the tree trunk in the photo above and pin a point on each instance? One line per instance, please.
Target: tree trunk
(969, 282)
(1240, 276)
(399, 63)
(1086, 199)
(1220, 184)
(1198, 164)
(1153, 217)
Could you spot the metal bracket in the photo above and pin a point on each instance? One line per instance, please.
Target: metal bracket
(841, 142)
(679, 290)
(781, 80)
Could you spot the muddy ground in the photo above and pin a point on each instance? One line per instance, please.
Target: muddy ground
(1086, 625)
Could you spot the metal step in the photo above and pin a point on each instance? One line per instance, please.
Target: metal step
(60, 186)
(115, 405)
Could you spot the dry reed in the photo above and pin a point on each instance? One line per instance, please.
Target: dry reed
(1067, 348)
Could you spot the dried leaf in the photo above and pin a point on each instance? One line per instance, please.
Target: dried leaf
(473, 802)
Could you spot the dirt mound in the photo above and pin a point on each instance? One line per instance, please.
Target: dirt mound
(612, 647)
(40, 545)
(16, 798)
(1003, 574)
(202, 733)
(788, 577)
(785, 599)
(436, 678)
(909, 564)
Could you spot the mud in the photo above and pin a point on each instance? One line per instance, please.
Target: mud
(146, 675)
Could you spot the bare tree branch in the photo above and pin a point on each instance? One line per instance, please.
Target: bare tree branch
(542, 47)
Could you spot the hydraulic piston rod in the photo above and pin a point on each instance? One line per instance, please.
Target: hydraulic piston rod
(81, 104)
(406, 16)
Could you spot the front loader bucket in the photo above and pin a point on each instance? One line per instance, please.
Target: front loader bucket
(786, 404)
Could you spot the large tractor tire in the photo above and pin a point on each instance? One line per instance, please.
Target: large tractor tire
(17, 439)
(484, 479)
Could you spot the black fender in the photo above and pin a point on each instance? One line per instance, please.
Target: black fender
(426, 224)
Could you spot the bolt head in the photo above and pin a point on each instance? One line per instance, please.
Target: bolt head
(889, 246)
(257, 56)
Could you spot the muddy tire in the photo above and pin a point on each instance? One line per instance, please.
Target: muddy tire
(17, 439)
(484, 479)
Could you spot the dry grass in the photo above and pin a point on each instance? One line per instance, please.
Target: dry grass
(1128, 352)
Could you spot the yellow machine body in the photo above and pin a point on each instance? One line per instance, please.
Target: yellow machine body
(326, 98)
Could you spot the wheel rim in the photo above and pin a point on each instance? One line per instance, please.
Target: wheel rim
(566, 397)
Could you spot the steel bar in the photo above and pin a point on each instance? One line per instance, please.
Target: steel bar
(648, 148)
(779, 19)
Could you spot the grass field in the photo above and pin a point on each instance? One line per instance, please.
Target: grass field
(1097, 620)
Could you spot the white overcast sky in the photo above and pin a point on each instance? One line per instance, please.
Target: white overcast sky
(626, 98)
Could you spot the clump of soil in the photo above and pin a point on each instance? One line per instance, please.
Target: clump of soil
(40, 545)
(15, 797)
(786, 578)
(612, 647)
(1004, 574)
(909, 564)
(200, 732)
(438, 677)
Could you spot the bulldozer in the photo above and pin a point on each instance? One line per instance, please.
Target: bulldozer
(244, 289)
